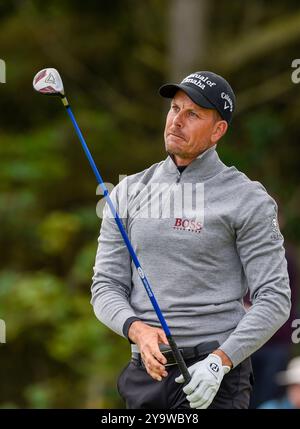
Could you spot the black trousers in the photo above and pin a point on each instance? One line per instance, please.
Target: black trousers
(140, 391)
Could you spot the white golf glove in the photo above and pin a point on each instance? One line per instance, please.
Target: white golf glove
(206, 379)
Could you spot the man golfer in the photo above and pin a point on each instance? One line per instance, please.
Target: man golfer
(200, 263)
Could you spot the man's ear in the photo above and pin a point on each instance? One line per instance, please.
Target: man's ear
(219, 130)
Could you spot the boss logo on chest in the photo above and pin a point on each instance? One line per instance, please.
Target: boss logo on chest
(190, 225)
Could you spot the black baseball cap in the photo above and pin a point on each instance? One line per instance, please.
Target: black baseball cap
(206, 89)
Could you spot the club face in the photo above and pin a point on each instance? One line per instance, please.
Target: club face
(48, 81)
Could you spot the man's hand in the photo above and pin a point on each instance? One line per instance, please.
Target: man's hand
(148, 339)
(206, 379)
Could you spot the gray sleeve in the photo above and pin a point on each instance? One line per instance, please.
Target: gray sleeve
(260, 247)
(112, 274)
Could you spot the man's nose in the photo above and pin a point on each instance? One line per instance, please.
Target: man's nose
(178, 119)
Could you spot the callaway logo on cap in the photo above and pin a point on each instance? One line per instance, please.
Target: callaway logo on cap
(206, 89)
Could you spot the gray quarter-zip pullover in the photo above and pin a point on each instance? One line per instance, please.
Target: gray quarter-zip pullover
(199, 264)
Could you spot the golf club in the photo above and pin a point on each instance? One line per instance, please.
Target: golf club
(49, 82)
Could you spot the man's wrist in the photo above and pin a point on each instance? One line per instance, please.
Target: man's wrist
(226, 361)
(127, 326)
(134, 330)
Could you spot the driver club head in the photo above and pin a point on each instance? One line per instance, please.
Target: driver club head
(48, 81)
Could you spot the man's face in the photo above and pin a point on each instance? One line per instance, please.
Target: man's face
(190, 129)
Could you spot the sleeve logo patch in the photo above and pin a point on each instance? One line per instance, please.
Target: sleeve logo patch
(276, 235)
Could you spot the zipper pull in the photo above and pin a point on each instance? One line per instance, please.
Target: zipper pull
(178, 177)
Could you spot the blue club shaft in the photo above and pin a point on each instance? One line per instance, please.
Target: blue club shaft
(176, 352)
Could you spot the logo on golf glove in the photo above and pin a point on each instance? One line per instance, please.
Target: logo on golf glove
(214, 367)
(205, 382)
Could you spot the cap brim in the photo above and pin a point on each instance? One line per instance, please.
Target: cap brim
(170, 89)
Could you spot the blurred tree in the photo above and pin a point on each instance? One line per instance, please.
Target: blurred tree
(187, 36)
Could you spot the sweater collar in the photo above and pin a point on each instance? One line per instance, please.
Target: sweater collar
(205, 166)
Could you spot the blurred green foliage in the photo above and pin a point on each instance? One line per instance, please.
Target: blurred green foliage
(113, 56)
